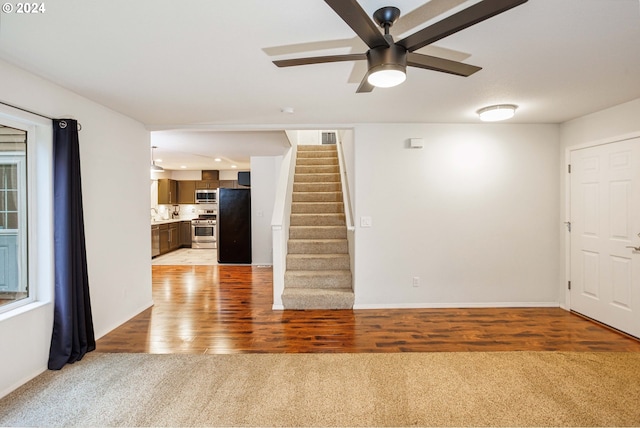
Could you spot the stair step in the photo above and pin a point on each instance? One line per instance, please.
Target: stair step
(317, 232)
(317, 161)
(318, 246)
(317, 207)
(317, 154)
(313, 298)
(318, 262)
(317, 169)
(328, 219)
(317, 187)
(316, 178)
(317, 196)
(317, 279)
(316, 147)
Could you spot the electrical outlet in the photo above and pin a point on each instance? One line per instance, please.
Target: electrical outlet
(416, 281)
(366, 221)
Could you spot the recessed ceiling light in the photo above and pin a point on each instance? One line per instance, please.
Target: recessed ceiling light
(218, 160)
(233, 166)
(287, 110)
(158, 160)
(183, 166)
(497, 112)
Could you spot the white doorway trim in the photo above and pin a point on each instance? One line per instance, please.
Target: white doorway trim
(567, 201)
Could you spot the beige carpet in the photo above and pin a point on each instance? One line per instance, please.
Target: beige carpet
(428, 389)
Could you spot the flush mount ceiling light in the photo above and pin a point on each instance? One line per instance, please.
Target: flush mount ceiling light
(154, 167)
(497, 112)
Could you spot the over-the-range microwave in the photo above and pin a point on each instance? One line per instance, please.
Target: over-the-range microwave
(207, 196)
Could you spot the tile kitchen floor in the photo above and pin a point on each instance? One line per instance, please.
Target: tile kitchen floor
(188, 256)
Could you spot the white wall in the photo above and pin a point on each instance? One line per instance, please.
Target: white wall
(474, 215)
(612, 124)
(265, 171)
(114, 154)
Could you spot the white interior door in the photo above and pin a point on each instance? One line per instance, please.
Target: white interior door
(605, 222)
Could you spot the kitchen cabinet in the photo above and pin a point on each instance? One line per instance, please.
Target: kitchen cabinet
(167, 191)
(174, 236)
(209, 179)
(170, 236)
(155, 241)
(185, 234)
(229, 184)
(207, 184)
(187, 192)
(164, 238)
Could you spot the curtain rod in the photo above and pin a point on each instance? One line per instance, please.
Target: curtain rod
(33, 112)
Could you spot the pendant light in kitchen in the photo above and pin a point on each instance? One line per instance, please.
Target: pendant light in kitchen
(154, 167)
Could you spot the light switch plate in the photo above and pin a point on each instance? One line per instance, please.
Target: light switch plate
(366, 221)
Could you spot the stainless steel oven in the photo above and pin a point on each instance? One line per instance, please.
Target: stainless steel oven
(203, 233)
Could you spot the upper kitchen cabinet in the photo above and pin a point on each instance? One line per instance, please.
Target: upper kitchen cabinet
(168, 191)
(207, 184)
(210, 180)
(229, 184)
(187, 191)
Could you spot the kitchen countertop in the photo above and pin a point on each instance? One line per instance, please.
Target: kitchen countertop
(171, 220)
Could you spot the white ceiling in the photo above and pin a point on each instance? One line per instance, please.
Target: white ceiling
(206, 64)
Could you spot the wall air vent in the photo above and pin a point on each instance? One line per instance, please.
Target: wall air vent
(329, 137)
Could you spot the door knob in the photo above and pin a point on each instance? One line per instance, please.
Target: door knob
(634, 248)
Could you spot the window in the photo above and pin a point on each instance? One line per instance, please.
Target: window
(13, 216)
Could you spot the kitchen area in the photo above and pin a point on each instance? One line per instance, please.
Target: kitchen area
(203, 219)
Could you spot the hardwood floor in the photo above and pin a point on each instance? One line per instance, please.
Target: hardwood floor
(227, 309)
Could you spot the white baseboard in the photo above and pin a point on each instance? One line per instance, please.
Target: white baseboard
(22, 381)
(457, 305)
(277, 307)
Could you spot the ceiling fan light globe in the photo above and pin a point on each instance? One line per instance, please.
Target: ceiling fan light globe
(387, 77)
(497, 113)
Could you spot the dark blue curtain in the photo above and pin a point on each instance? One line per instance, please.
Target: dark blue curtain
(73, 334)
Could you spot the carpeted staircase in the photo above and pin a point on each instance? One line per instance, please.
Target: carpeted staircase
(318, 274)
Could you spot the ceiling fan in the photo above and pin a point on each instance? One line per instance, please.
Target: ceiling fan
(388, 60)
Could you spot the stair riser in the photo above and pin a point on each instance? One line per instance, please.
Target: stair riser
(317, 220)
(316, 154)
(317, 196)
(302, 303)
(322, 232)
(316, 147)
(311, 246)
(291, 280)
(317, 187)
(316, 178)
(318, 263)
(316, 161)
(317, 207)
(317, 169)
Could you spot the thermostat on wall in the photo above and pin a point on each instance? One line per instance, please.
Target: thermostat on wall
(416, 143)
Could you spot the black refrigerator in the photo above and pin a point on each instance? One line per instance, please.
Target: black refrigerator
(234, 226)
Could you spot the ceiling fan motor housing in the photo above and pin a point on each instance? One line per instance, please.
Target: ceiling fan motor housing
(392, 57)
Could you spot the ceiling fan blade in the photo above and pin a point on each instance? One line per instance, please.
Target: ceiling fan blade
(441, 64)
(365, 86)
(356, 18)
(424, 13)
(456, 22)
(319, 59)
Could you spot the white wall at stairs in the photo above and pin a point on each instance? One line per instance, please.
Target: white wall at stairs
(474, 215)
(265, 171)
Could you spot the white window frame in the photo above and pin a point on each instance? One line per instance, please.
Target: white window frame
(39, 202)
